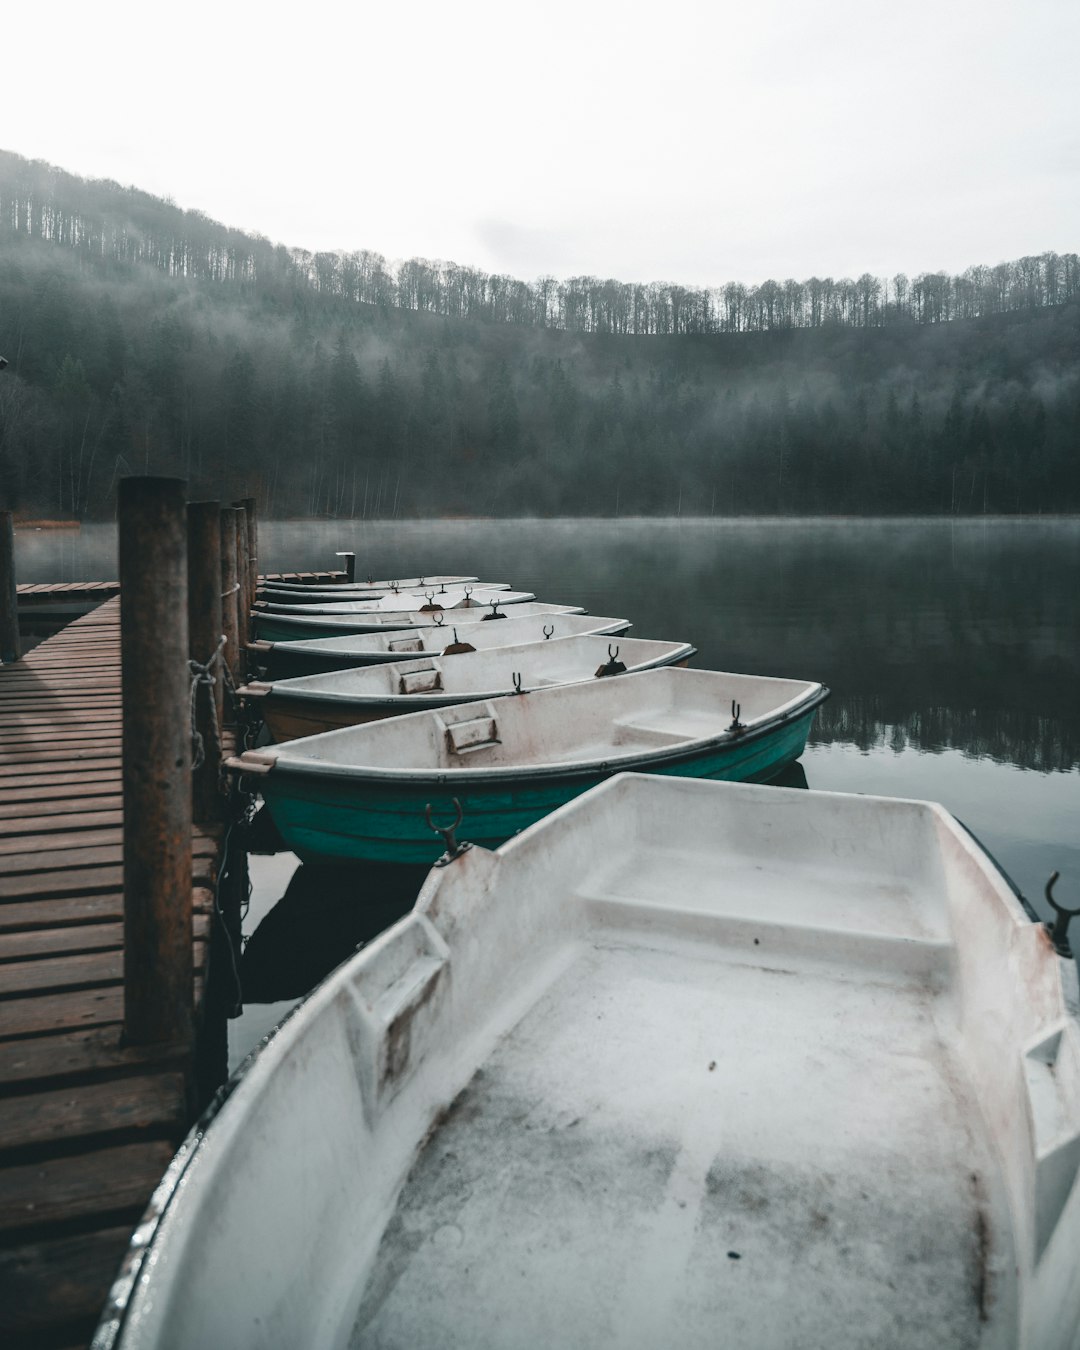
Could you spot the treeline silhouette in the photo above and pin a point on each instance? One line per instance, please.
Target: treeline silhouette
(143, 337)
(101, 220)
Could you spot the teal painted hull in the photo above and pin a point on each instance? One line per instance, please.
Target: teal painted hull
(271, 629)
(363, 820)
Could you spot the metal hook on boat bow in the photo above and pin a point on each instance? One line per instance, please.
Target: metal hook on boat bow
(496, 612)
(736, 725)
(517, 681)
(613, 666)
(453, 848)
(1059, 931)
(440, 617)
(549, 628)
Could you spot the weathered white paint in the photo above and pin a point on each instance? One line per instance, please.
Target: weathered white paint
(483, 674)
(405, 601)
(576, 725)
(685, 1064)
(361, 588)
(418, 619)
(369, 647)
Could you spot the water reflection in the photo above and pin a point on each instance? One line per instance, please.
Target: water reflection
(327, 911)
(1026, 740)
(950, 634)
(952, 649)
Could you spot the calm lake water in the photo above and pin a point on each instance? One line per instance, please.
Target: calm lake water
(952, 648)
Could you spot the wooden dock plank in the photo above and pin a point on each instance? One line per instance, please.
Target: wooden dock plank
(72, 820)
(82, 970)
(58, 1285)
(23, 945)
(62, 1189)
(119, 1106)
(87, 1125)
(61, 1012)
(82, 1055)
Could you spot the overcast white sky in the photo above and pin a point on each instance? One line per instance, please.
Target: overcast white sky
(673, 140)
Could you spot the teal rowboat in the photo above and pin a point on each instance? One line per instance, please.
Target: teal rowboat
(361, 793)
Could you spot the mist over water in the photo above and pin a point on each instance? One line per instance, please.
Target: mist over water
(952, 647)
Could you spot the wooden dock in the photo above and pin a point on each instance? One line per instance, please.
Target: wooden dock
(87, 1126)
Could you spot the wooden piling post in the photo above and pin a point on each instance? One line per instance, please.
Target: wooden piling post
(158, 962)
(243, 595)
(229, 610)
(249, 505)
(350, 565)
(204, 634)
(9, 600)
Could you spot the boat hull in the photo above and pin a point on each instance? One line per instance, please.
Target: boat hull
(287, 660)
(291, 627)
(361, 820)
(292, 716)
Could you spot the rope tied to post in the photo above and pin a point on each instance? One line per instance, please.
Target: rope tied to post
(202, 676)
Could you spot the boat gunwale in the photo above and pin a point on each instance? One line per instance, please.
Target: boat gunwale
(307, 646)
(114, 1316)
(388, 620)
(481, 774)
(427, 701)
(324, 608)
(404, 584)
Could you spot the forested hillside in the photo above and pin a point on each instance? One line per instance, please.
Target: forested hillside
(144, 338)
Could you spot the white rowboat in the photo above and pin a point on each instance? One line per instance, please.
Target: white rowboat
(314, 655)
(466, 598)
(278, 627)
(686, 1064)
(311, 704)
(360, 793)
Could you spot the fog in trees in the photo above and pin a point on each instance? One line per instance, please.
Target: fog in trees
(146, 338)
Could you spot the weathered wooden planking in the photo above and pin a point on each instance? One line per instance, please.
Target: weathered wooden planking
(23, 944)
(59, 786)
(62, 1189)
(87, 1055)
(58, 1285)
(72, 819)
(84, 970)
(61, 912)
(41, 853)
(56, 912)
(85, 881)
(86, 1124)
(31, 943)
(120, 1106)
(69, 972)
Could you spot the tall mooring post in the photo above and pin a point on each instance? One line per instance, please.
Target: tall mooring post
(252, 512)
(158, 961)
(243, 595)
(229, 605)
(9, 600)
(204, 638)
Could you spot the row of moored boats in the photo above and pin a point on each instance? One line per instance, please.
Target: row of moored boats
(512, 708)
(666, 1062)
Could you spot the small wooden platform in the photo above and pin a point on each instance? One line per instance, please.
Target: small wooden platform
(86, 1126)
